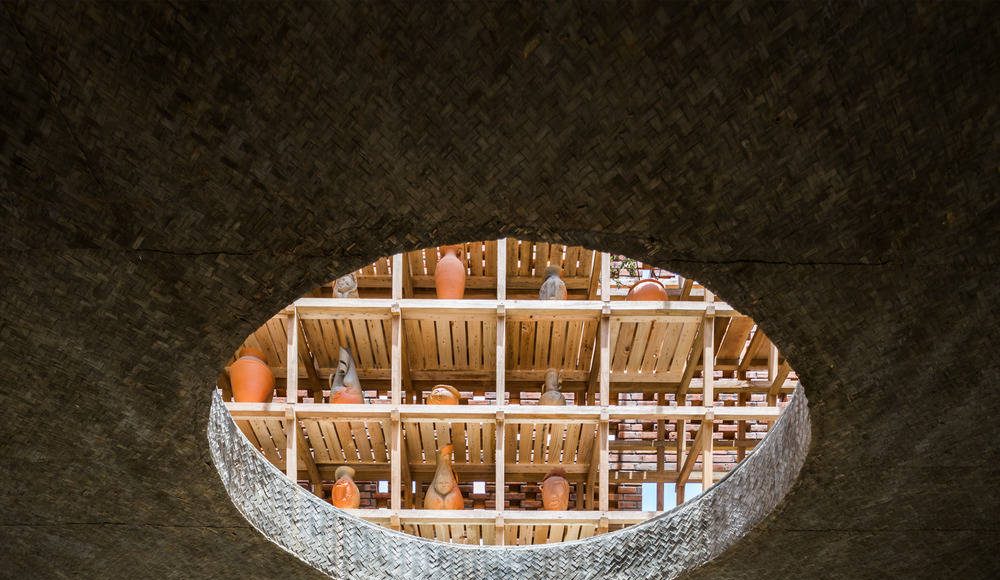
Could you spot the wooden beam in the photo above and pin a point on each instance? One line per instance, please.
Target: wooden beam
(708, 356)
(291, 396)
(309, 361)
(690, 366)
(708, 455)
(305, 455)
(661, 434)
(603, 436)
(697, 446)
(501, 323)
(500, 458)
(605, 276)
(756, 342)
(778, 381)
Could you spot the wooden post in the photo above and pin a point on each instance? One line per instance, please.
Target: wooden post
(501, 357)
(396, 383)
(708, 357)
(291, 395)
(681, 449)
(708, 391)
(661, 435)
(500, 484)
(603, 434)
(708, 457)
(603, 431)
(501, 479)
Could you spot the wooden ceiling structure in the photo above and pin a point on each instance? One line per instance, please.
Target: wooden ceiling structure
(637, 376)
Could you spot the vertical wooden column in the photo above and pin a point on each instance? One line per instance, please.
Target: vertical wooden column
(772, 372)
(291, 395)
(603, 431)
(501, 357)
(396, 384)
(661, 436)
(708, 392)
(500, 477)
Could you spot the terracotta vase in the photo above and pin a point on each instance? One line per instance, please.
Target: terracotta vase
(443, 493)
(345, 386)
(555, 491)
(551, 395)
(444, 395)
(251, 378)
(647, 290)
(553, 288)
(345, 493)
(449, 274)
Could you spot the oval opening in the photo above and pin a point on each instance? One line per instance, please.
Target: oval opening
(578, 368)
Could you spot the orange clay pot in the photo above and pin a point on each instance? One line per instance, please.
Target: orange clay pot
(443, 493)
(555, 491)
(251, 378)
(444, 395)
(449, 274)
(345, 492)
(647, 290)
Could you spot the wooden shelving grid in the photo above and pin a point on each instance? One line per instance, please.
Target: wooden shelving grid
(658, 391)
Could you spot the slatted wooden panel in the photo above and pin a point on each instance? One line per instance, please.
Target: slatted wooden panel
(369, 341)
(645, 350)
(474, 442)
(550, 443)
(734, 341)
(560, 344)
(450, 344)
(474, 534)
(526, 535)
(529, 258)
(338, 442)
(480, 258)
(268, 436)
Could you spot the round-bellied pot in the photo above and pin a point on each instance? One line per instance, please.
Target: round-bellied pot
(449, 274)
(251, 378)
(443, 493)
(345, 494)
(555, 491)
(444, 395)
(647, 290)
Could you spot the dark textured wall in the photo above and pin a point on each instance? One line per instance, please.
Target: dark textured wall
(173, 175)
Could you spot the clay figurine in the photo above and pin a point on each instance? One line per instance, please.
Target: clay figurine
(444, 395)
(449, 274)
(346, 287)
(551, 395)
(443, 493)
(649, 289)
(345, 387)
(553, 288)
(251, 378)
(345, 494)
(555, 491)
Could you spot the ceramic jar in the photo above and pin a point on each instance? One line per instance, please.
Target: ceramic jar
(443, 493)
(550, 394)
(345, 493)
(251, 378)
(555, 491)
(345, 386)
(647, 290)
(449, 274)
(444, 395)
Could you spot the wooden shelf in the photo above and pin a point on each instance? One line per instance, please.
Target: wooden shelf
(499, 346)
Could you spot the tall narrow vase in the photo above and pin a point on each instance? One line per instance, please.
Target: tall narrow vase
(444, 493)
(449, 274)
